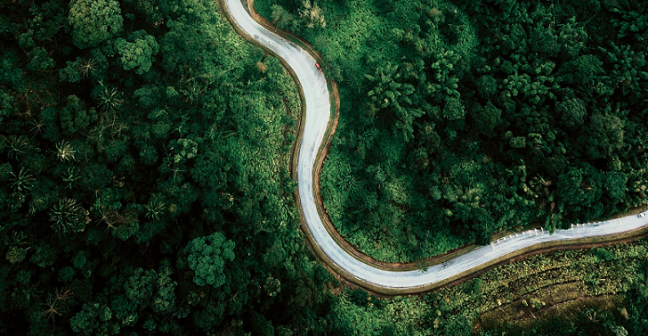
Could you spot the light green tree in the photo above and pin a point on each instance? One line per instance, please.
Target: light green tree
(94, 21)
(282, 18)
(138, 54)
(312, 14)
(207, 256)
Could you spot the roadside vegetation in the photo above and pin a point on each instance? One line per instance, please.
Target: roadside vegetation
(144, 190)
(463, 118)
(599, 291)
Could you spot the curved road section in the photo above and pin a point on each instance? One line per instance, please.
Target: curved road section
(318, 115)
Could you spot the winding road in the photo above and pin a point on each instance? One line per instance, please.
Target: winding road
(314, 128)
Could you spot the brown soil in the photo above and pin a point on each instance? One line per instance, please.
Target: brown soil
(526, 316)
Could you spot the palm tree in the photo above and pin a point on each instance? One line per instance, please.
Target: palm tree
(65, 151)
(87, 66)
(109, 98)
(37, 127)
(23, 181)
(18, 146)
(71, 177)
(155, 207)
(68, 216)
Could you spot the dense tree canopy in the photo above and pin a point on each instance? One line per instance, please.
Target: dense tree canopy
(144, 154)
(143, 175)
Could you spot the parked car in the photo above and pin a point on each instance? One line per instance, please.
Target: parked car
(643, 214)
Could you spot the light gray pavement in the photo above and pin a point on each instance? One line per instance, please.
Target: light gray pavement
(318, 112)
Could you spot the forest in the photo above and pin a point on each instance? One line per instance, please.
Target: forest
(464, 118)
(144, 183)
(144, 152)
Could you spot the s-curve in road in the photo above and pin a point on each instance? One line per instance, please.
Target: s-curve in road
(318, 116)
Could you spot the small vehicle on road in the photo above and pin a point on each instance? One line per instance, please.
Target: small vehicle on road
(318, 66)
(643, 214)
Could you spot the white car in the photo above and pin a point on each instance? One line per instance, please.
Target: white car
(643, 214)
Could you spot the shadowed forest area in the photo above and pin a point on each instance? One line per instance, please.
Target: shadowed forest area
(144, 184)
(460, 119)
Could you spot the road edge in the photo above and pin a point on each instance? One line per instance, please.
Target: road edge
(348, 278)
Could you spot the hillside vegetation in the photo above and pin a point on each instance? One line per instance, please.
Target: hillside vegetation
(144, 190)
(463, 118)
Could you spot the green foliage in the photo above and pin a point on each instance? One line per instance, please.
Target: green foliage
(606, 135)
(79, 260)
(94, 22)
(183, 150)
(487, 118)
(70, 73)
(95, 177)
(391, 97)
(206, 256)
(68, 217)
(26, 40)
(282, 18)
(74, 117)
(205, 129)
(152, 289)
(7, 107)
(482, 113)
(94, 320)
(165, 146)
(18, 146)
(23, 181)
(109, 98)
(137, 54)
(5, 171)
(44, 256)
(487, 85)
(9, 72)
(518, 142)
(39, 60)
(155, 207)
(66, 274)
(310, 15)
(16, 254)
(616, 185)
(65, 151)
(454, 110)
(572, 112)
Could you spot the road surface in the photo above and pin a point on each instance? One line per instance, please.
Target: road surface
(318, 115)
